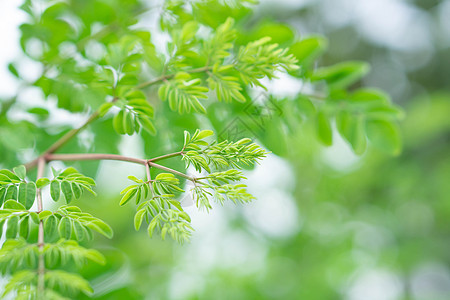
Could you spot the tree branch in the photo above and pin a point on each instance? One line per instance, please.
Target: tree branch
(94, 156)
(65, 138)
(100, 156)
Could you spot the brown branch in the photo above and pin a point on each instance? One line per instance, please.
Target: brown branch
(62, 141)
(94, 156)
(65, 138)
(101, 156)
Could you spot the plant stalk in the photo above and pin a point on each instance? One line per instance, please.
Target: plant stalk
(63, 140)
(41, 259)
(169, 76)
(166, 156)
(149, 178)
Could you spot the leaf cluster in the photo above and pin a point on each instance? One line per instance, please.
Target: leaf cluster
(69, 183)
(220, 155)
(69, 222)
(67, 225)
(13, 186)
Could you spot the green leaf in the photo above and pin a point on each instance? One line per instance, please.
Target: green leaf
(27, 194)
(12, 68)
(147, 125)
(138, 218)
(128, 195)
(12, 228)
(369, 97)
(95, 256)
(11, 204)
(204, 134)
(352, 130)
(24, 229)
(4, 179)
(68, 171)
(10, 175)
(128, 123)
(2, 223)
(67, 281)
(11, 193)
(104, 108)
(78, 229)
(41, 182)
(34, 217)
(22, 197)
(66, 189)
(50, 225)
(77, 191)
(2, 195)
(324, 130)
(41, 113)
(392, 113)
(71, 208)
(307, 50)
(55, 190)
(151, 227)
(341, 75)
(44, 214)
(65, 228)
(102, 228)
(118, 122)
(384, 135)
(20, 171)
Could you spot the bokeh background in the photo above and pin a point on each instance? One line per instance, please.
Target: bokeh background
(327, 224)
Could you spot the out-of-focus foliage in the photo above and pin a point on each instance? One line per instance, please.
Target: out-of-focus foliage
(99, 55)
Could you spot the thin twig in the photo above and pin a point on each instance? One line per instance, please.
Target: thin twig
(151, 164)
(166, 156)
(149, 179)
(101, 156)
(65, 138)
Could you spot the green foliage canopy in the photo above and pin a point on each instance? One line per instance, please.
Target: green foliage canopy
(98, 61)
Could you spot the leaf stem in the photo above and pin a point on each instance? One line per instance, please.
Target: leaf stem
(166, 156)
(149, 178)
(41, 259)
(151, 164)
(165, 77)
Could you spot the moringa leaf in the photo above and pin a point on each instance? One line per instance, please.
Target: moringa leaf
(55, 190)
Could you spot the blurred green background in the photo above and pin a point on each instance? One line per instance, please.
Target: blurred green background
(327, 224)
